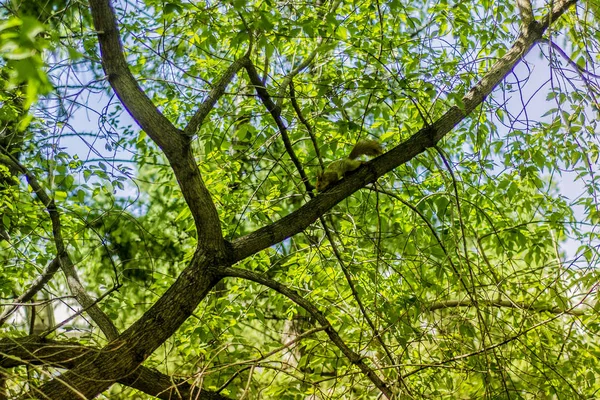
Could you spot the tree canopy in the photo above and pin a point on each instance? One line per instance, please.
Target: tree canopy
(161, 235)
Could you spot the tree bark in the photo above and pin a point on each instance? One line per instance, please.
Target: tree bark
(32, 350)
(121, 357)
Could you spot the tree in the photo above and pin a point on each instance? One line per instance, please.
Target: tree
(198, 262)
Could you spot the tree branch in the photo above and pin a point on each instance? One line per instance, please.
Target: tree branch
(427, 137)
(171, 140)
(139, 106)
(257, 360)
(214, 95)
(287, 80)
(503, 304)
(304, 122)
(499, 344)
(32, 350)
(352, 356)
(33, 289)
(338, 255)
(97, 371)
(526, 11)
(275, 111)
(62, 256)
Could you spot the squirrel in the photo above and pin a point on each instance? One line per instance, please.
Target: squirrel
(340, 168)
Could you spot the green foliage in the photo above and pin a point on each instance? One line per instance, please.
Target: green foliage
(464, 273)
(21, 47)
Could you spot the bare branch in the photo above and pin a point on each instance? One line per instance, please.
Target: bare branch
(33, 289)
(503, 304)
(352, 356)
(62, 256)
(214, 95)
(275, 111)
(427, 137)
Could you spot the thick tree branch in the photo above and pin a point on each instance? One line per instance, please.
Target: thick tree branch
(139, 106)
(171, 140)
(352, 356)
(427, 137)
(98, 371)
(32, 350)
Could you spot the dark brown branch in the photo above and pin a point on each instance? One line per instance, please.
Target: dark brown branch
(33, 289)
(120, 358)
(139, 106)
(352, 356)
(401, 154)
(32, 350)
(214, 95)
(304, 122)
(275, 112)
(171, 140)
